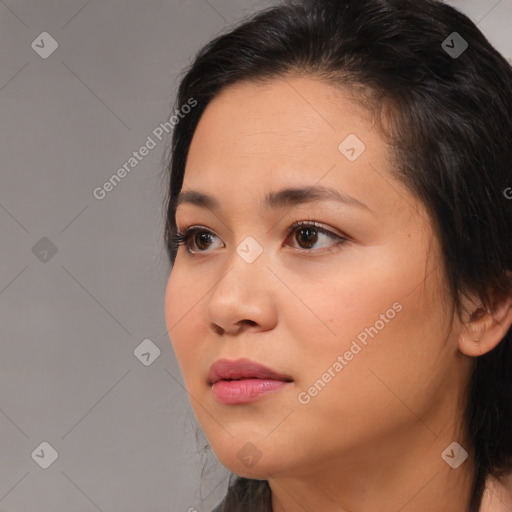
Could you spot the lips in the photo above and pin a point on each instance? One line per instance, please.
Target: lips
(240, 369)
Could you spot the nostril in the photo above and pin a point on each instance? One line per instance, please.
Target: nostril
(218, 329)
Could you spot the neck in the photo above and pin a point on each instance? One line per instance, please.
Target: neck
(408, 475)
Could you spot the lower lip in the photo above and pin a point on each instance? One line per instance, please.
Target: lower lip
(232, 392)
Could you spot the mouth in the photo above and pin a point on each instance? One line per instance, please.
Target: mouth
(243, 381)
(243, 369)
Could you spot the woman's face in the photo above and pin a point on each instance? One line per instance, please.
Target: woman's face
(360, 328)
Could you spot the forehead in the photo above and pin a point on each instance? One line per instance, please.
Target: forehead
(281, 126)
(282, 115)
(254, 139)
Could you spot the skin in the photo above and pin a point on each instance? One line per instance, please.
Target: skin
(498, 495)
(372, 438)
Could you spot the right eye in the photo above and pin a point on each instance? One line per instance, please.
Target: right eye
(310, 229)
(190, 235)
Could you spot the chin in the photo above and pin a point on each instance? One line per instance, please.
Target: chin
(259, 471)
(249, 462)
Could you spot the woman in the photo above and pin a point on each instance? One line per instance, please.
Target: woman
(338, 220)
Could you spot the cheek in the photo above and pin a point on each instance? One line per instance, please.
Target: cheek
(358, 326)
(382, 323)
(182, 318)
(337, 307)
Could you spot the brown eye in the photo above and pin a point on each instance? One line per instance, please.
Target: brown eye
(309, 235)
(202, 240)
(200, 237)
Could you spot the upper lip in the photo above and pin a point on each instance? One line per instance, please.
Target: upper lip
(224, 369)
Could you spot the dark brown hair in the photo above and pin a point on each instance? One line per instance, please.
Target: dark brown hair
(449, 119)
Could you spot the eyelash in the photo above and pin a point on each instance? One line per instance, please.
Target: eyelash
(183, 238)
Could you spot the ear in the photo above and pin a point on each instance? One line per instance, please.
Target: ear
(482, 330)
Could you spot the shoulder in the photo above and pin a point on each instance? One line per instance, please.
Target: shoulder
(219, 507)
(246, 495)
(497, 495)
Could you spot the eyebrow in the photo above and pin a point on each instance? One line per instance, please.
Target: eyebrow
(273, 200)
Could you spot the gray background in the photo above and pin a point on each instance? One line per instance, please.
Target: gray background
(70, 322)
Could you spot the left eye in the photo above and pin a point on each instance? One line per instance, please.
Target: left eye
(308, 233)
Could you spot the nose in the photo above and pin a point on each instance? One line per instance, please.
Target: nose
(243, 298)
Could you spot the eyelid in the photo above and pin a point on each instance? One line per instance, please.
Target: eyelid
(189, 231)
(326, 230)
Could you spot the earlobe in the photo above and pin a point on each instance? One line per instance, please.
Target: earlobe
(484, 329)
